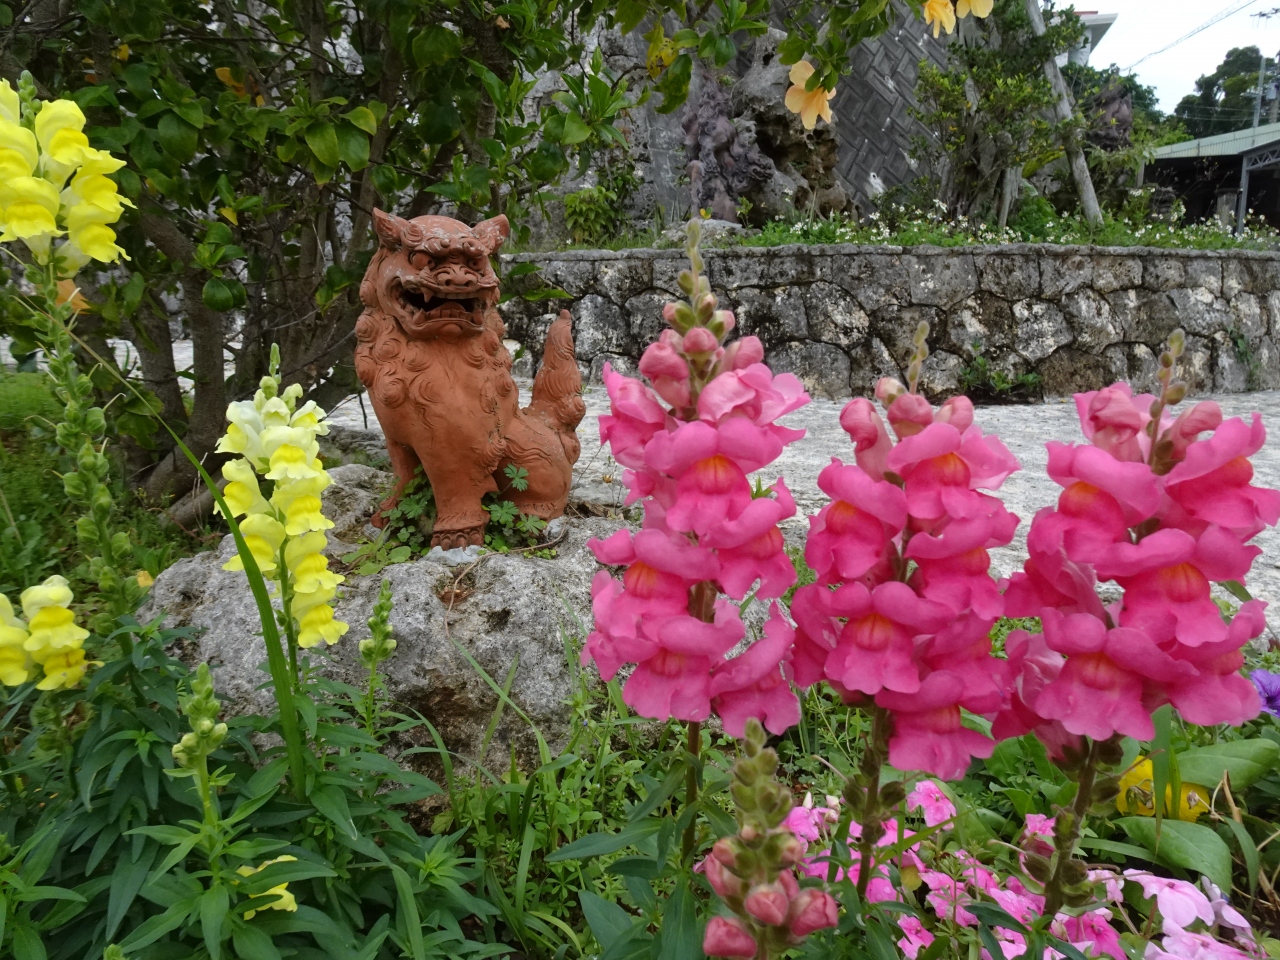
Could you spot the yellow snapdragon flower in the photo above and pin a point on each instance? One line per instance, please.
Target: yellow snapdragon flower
(286, 900)
(242, 493)
(16, 665)
(263, 535)
(54, 640)
(10, 104)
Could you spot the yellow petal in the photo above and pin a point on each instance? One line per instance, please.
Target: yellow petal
(801, 71)
(54, 592)
(10, 104)
(56, 116)
(22, 141)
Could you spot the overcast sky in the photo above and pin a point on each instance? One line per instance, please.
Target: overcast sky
(1147, 25)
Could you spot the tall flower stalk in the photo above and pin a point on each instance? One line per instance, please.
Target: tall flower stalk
(285, 532)
(688, 442)
(53, 185)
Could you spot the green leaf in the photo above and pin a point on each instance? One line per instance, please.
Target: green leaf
(27, 944)
(1247, 761)
(385, 179)
(332, 802)
(628, 14)
(218, 295)
(436, 45)
(322, 138)
(213, 908)
(1182, 844)
(575, 130)
(439, 122)
(178, 138)
(353, 146)
(253, 944)
(126, 880)
(409, 915)
(1248, 849)
(363, 118)
(607, 920)
(681, 931)
(189, 111)
(599, 844)
(286, 871)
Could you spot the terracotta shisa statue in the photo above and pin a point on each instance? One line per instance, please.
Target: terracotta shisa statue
(429, 351)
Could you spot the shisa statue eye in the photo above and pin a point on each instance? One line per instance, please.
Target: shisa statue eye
(420, 259)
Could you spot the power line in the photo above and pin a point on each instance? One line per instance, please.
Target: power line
(1217, 18)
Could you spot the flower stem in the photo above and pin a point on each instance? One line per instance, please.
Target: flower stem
(1064, 842)
(872, 824)
(694, 747)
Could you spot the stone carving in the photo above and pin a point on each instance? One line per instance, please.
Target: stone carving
(723, 165)
(430, 353)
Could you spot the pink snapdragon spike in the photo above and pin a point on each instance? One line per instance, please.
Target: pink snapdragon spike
(688, 442)
(904, 601)
(1163, 508)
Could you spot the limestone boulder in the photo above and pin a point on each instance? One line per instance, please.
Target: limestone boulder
(512, 614)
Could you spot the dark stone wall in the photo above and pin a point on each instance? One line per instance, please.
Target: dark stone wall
(840, 317)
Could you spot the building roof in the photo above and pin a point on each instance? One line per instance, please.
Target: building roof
(1222, 145)
(1096, 24)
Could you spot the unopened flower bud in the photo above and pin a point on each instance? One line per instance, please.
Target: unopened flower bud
(812, 910)
(725, 852)
(1037, 866)
(669, 313)
(728, 937)
(791, 851)
(892, 794)
(1176, 393)
(767, 903)
(726, 319)
(1075, 872)
(700, 340)
(1177, 342)
(723, 881)
(888, 390)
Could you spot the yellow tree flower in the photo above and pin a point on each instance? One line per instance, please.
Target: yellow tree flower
(16, 665)
(979, 8)
(810, 104)
(941, 14)
(285, 900)
(1137, 794)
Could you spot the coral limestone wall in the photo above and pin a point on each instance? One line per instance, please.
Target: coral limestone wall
(842, 316)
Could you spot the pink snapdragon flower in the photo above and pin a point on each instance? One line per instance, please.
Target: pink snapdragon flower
(904, 600)
(1163, 508)
(707, 534)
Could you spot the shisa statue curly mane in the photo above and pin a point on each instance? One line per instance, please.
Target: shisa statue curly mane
(430, 353)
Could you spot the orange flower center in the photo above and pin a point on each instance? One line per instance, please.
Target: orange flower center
(873, 632)
(841, 517)
(665, 663)
(948, 470)
(1097, 670)
(716, 474)
(1183, 583)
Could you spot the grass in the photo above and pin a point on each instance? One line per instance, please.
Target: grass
(37, 520)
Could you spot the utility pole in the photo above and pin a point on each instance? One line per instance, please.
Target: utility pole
(1257, 99)
(1065, 112)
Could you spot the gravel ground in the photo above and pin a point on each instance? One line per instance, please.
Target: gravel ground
(1024, 429)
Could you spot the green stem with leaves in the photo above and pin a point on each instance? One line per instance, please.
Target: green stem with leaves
(1067, 835)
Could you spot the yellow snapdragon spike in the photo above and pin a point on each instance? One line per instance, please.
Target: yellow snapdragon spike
(286, 900)
(22, 142)
(53, 629)
(15, 663)
(941, 14)
(319, 625)
(65, 669)
(242, 493)
(263, 535)
(10, 104)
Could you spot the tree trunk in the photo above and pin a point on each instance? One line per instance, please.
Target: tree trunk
(1065, 112)
(174, 472)
(1012, 186)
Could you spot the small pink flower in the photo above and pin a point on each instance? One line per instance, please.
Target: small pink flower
(810, 911)
(1184, 945)
(849, 536)
(667, 370)
(1090, 933)
(1212, 484)
(1116, 421)
(914, 936)
(700, 340)
(724, 882)
(728, 937)
(1180, 903)
(875, 650)
(635, 417)
(1227, 915)
(1037, 837)
(936, 806)
(909, 414)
